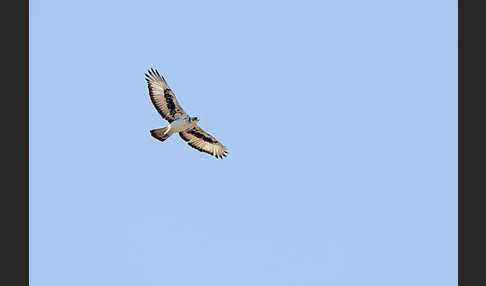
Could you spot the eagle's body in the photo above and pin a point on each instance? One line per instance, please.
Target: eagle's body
(167, 105)
(182, 124)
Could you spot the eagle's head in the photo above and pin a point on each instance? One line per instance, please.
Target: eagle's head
(194, 119)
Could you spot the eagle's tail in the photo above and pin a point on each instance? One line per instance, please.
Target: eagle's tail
(160, 133)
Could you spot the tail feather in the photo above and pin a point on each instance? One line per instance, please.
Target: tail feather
(159, 133)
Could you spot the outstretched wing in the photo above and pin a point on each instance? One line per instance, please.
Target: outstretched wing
(202, 141)
(162, 97)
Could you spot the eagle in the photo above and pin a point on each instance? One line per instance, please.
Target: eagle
(169, 108)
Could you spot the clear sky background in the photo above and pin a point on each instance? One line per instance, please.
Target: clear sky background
(340, 118)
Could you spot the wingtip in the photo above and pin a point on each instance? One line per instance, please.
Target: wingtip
(153, 73)
(221, 156)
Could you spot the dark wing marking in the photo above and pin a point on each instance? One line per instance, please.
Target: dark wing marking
(162, 97)
(202, 141)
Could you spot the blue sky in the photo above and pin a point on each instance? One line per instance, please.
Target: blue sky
(340, 118)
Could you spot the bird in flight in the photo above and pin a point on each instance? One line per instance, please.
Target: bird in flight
(167, 105)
